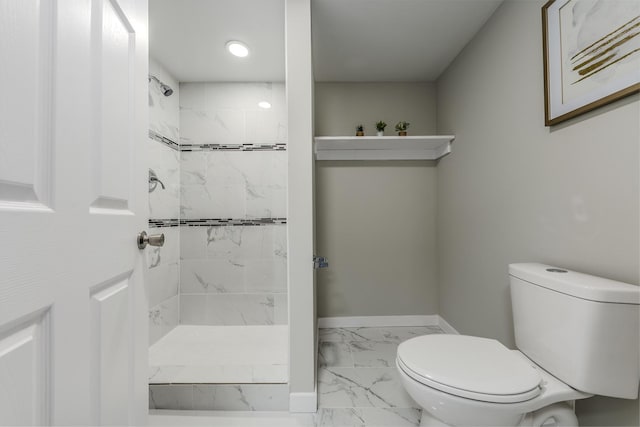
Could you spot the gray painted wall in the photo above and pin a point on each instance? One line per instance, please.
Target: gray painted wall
(375, 221)
(514, 190)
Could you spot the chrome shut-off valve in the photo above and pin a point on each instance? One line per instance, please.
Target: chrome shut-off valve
(320, 262)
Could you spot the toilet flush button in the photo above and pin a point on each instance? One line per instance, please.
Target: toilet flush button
(556, 270)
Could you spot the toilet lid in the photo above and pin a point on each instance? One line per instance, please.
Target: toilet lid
(471, 367)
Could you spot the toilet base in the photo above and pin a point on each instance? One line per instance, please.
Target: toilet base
(556, 415)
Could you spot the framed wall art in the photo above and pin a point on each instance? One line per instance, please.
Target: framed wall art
(591, 55)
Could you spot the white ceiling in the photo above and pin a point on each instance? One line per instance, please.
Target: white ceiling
(189, 36)
(353, 40)
(392, 40)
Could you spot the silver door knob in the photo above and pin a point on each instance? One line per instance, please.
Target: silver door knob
(153, 240)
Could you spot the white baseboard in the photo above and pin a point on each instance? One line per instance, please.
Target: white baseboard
(382, 321)
(303, 402)
(446, 327)
(379, 321)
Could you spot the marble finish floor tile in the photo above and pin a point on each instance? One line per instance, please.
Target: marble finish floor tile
(378, 417)
(339, 417)
(350, 417)
(369, 354)
(358, 384)
(399, 334)
(362, 387)
(365, 347)
(335, 354)
(369, 417)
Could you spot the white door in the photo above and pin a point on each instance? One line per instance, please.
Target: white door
(73, 122)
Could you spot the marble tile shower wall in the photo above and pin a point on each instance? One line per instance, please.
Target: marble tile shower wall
(233, 184)
(164, 204)
(163, 277)
(228, 113)
(164, 111)
(233, 167)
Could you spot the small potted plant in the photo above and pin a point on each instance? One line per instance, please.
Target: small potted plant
(359, 130)
(380, 127)
(401, 128)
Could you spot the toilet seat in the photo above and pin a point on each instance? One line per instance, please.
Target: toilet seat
(470, 367)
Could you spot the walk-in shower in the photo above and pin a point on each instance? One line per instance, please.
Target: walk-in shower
(218, 288)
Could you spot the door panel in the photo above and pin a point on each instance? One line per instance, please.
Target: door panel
(111, 364)
(25, 54)
(25, 370)
(113, 57)
(73, 127)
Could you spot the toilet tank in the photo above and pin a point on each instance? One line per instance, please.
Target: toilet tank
(582, 329)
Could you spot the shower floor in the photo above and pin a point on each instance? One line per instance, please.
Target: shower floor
(195, 354)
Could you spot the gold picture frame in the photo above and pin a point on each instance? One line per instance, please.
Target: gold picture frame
(591, 55)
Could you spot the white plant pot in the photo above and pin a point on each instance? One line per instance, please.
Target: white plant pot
(380, 133)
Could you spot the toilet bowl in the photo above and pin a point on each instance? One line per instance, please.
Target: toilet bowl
(461, 380)
(566, 351)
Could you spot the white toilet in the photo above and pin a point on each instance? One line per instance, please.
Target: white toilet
(577, 335)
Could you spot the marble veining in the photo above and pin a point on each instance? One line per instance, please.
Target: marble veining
(227, 309)
(370, 417)
(165, 162)
(233, 204)
(228, 113)
(362, 387)
(353, 390)
(358, 384)
(235, 368)
(215, 397)
(225, 184)
(163, 278)
(163, 318)
(233, 275)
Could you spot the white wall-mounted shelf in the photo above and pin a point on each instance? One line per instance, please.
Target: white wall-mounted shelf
(382, 147)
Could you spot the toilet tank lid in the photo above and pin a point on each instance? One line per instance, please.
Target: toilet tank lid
(576, 284)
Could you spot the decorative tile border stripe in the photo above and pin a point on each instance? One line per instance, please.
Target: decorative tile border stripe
(233, 147)
(221, 222)
(161, 223)
(215, 147)
(215, 222)
(164, 140)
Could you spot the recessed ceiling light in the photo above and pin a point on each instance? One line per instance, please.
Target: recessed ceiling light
(264, 104)
(237, 48)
